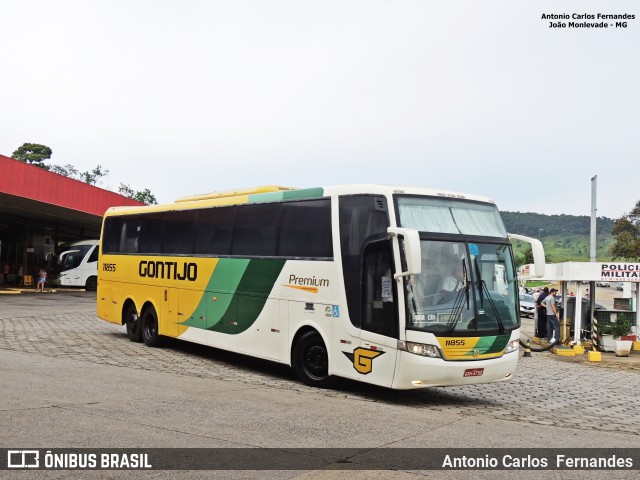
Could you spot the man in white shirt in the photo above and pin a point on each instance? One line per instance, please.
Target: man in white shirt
(453, 282)
(553, 323)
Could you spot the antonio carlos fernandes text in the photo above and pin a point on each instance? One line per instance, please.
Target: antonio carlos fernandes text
(532, 462)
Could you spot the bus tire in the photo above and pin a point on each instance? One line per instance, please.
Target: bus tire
(150, 334)
(92, 284)
(133, 323)
(311, 360)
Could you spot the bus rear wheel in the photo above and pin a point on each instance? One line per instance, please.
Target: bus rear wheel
(133, 324)
(311, 360)
(150, 334)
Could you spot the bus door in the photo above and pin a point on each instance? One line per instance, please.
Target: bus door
(375, 359)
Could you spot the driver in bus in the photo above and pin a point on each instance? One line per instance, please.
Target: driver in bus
(454, 281)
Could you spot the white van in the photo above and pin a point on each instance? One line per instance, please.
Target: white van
(77, 265)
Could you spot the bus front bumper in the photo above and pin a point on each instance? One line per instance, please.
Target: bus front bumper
(416, 371)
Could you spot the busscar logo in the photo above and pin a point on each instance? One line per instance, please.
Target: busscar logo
(23, 459)
(362, 359)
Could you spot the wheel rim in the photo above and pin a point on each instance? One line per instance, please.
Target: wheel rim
(316, 361)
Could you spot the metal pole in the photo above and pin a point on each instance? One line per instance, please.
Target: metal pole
(594, 186)
(592, 258)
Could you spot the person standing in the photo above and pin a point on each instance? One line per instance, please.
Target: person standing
(42, 279)
(542, 313)
(553, 322)
(5, 273)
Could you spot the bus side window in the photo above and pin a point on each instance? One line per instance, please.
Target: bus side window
(178, 237)
(255, 231)
(111, 234)
(129, 235)
(305, 229)
(213, 231)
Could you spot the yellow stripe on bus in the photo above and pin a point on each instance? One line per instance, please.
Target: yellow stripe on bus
(306, 289)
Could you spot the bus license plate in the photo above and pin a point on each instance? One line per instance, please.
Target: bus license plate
(473, 372)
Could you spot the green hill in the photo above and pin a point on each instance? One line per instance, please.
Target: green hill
(566, 238)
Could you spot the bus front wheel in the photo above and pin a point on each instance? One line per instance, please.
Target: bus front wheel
(311, 360)
(133, 324)
(150, 334)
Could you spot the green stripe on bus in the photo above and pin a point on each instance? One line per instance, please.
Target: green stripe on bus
(492, 344)
(222, 285)
(250, 296)
(265, 197)
(317, 192)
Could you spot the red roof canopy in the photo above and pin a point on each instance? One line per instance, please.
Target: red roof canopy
(33, 183)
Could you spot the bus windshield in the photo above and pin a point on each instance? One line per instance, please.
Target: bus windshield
(465, 287)
(71, 256)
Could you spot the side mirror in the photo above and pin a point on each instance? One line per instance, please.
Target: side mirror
(410, 244)
(536, 249)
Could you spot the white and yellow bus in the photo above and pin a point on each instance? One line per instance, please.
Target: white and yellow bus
(396, 286)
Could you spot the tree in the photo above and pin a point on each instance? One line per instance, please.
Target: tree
(93, 177)
(524, 257)
(67, 170)
(144, 196)
(33, 153)
(626, 234)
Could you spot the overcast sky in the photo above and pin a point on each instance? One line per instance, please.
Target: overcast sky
(186, 97)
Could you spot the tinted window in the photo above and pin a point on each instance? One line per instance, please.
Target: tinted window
(111, 234)
(256, 229)
(129, 235)
(151, 233)
(179, 228)
(299, 229)
(214, 229)
(305, 229)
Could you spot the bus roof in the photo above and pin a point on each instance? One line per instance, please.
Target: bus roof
(273, 193)
(79, 242)
(235, 193)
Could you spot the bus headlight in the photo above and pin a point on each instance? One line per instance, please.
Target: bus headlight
(512, 346)
(420, 349)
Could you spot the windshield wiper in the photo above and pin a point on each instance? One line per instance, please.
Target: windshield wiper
(411, 295)
(482, 286)
(457, 304)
